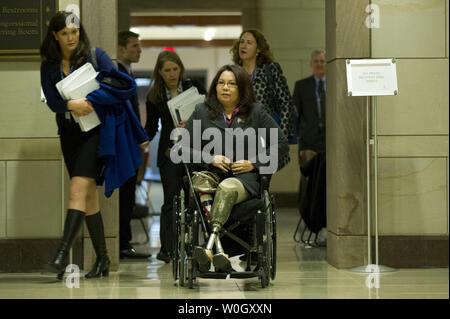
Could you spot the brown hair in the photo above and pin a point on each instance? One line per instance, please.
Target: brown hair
(246, 93)
(265, 55)
(123, 37)
(157, 92)
(50, 49)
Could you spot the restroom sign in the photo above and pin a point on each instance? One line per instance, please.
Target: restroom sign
(371, 77)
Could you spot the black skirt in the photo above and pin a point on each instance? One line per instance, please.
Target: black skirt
(80, 151)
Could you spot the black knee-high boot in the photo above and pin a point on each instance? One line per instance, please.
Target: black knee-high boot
(94, 224)
(72, 225)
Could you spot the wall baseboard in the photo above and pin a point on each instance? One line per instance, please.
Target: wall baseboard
(30, 255)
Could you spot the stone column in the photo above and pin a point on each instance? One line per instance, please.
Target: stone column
(346, 38)
(100, 20)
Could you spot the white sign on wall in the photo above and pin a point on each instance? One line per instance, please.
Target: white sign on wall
(371, 77)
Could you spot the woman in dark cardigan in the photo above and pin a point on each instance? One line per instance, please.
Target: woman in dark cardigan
(230, 104)
(169, 81)
(252, 52)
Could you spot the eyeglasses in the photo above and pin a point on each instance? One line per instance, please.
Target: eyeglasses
(231, 85)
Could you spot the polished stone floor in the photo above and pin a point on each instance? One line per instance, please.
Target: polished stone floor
(302, 273)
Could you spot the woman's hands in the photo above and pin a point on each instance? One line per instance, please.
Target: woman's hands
(242, 166)
(221, 162)
(80, 107)
(226, 165)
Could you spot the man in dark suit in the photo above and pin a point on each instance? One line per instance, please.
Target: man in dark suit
(309, 98)
(128, 51)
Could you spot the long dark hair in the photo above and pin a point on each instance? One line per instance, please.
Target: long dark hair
(246, 93)
(265, 54)
(157, 92)
(50, 49)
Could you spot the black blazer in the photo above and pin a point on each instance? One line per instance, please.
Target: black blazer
(258, 118)
(161, 111)
(134, 100)
(311, 137)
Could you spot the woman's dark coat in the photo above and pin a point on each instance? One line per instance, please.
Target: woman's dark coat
(258, 118)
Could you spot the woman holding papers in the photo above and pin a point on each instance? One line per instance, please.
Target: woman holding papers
(169, 82)
(65, 49)
(230, 106)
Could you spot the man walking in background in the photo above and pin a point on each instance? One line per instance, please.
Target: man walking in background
(128, 51)
(309, 98)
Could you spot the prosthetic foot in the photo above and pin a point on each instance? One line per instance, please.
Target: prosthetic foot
(220, 260)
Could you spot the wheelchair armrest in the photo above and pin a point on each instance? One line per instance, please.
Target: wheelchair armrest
(265, 182)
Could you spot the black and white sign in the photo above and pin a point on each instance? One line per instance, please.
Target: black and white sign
(371, 77)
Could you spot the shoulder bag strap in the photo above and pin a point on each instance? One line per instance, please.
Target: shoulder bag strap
(94, 58)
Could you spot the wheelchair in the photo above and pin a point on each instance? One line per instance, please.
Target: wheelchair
(251, 228)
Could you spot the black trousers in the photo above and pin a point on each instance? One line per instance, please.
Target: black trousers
(172, 181)
(126, 205)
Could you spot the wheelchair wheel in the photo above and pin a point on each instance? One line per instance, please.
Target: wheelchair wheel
(190, 273)
(193, 242)
(264, 268)
(175, 228)
(181, 240)
(264, 276)
(190, 243)
(270, 239)
(264, 242)
(273, 269)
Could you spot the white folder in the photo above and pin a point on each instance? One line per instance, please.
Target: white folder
(78, 85)
(182, 106)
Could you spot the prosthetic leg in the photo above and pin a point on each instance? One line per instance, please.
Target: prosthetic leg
(224, 200)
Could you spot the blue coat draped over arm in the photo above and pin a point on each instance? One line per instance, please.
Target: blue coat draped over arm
(120, 132)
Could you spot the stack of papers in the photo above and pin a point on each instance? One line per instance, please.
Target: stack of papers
(182, 106)
(78, 85)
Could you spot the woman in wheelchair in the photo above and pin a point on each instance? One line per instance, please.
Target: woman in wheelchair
(230, 107)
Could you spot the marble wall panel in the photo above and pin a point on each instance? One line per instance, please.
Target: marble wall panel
(291, 72)
(413, 146)
(34, 199)
(2, 199)
(410, 29)
(421, 108)
(315, 4)
(294, 28)
(285, 4)
(412, 196)
(30, 149)
(446, 27)
(21, 112)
